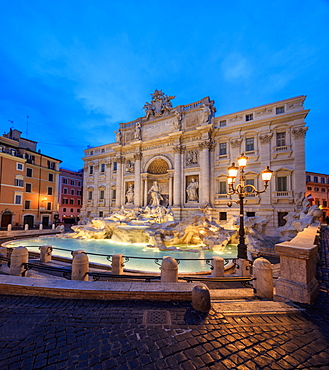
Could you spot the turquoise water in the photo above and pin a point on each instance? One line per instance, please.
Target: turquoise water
(107, 247)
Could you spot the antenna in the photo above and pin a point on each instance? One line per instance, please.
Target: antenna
(12, 122)
(27, 126)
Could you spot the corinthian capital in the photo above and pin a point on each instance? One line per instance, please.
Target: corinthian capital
(207, 144)
(179, 149)
(299, 133)
(265, 138)
(138, 156)
(236, 143)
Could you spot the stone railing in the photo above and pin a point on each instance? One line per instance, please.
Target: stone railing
(298, 258)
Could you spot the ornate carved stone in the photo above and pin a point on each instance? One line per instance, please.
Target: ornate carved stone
(120, 160)
(118, 137)
(207, 144)
(138, 156)
(265, 138)
(300, 132)
(160, 105)
(264, 111)
(179, 149)
(294, 105)
(235, 118)
(178, 120)
(138, 131)
(130, 166)
(236, 143)
(192, 157)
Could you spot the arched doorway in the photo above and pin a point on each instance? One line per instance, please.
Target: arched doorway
(6, 218)
(29, 220)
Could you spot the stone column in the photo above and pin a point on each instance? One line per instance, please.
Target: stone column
(170, 190)
(119, 190)
(265, 149)
(137, 180)
(179, 150)
(204, 193)
(298, 145)
(19, 256)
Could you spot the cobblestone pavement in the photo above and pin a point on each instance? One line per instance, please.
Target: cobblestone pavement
(44, 333)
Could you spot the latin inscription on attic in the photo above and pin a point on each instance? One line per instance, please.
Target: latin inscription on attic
(158, 129)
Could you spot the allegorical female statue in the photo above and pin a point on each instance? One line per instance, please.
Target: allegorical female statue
(130, 194)
(192, 191)
(156, 196)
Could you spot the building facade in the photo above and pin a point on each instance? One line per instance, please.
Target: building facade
(28, 183)
(183, 154)
(317, 185)
(70, 195)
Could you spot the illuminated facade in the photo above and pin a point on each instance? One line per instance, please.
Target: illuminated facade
(28, 183)
(317, 185)
(186, 150)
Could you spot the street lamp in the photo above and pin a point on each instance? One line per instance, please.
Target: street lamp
(241, 189)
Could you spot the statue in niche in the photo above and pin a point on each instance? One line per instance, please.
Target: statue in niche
(156, 196)
(192, 191)
(130, 194)
(192, 157)
(206, 111)
(138, 133)
(129, 166)
(178, 120)
(118, 136)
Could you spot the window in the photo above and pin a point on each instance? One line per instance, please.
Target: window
(103, 167)
(279, 110)
(327, 180)
(249, 188)
(91, 152)
(315, 179)
(91, 170)
(71, 210)
(222, 123)
(78, 192)
(308, 178)
(50, 190)
(323, 190)
(250, 144)
(50, 177)
(280, 139)
(64, 209)
(65, 201)
(282, 183)
(250, 214)
(64, 181)
(324, 202)
(18, 199)
(323, 180)
(72, 182)
(309, 188)
(223, 216)
(222, 149)
(222, 187)
(72, 191)
(49, 206)
(101, 194)
(317, 202)
(249, 117)
(100, 213)
(103, 150)
(29, 172)
(79, 202)
(51, 165)
(79, 183)
(114, 194)
(90, 195)
(28, 188)
(78, 210)
(27, 204)
(281, 220)
(19, 182)
(316, 189)
(19, 166)
(65, 191)
(115, 166)
(71, 201)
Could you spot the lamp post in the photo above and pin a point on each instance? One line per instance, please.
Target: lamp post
(241, 190)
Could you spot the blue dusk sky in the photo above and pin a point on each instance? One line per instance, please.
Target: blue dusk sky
(79, 68)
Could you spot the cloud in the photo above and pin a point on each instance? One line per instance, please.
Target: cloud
(236, 67)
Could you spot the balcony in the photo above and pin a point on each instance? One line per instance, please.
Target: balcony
(90, 203)
(101, 203)
(285, 150)
(283, 196)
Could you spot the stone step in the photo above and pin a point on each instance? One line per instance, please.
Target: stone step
(231, 294)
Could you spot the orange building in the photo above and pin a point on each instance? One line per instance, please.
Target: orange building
(317, 185)
(28, 183)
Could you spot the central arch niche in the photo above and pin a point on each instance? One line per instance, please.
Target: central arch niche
(157, 170)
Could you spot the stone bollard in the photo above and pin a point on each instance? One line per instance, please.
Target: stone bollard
(53, 226)
(9, 227)
(26, 227)
(263, 273)
(218, 267)
(169, 270)
(201, 298)
(19, 256)
(74, 253)
(80, 267)
(3, 253)
(243, 267)
(40, 227)
(45, 253)
(117, 264)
